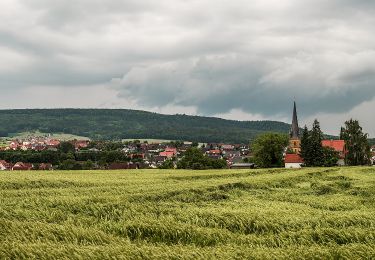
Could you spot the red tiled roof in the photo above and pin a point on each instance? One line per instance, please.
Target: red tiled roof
(167, 154)
(22, 166)
(337, 145)
(168, 149)
(293, 158)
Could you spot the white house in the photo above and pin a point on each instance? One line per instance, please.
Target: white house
(293, 161)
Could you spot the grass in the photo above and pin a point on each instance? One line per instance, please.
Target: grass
(161, 214)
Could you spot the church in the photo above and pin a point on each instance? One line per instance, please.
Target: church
(294, 160)
(295, 141)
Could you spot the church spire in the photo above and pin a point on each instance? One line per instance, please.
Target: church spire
(294, 131)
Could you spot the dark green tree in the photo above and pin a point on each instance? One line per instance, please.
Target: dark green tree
(315, 150)
(70, 165)
(268, 149)
(167, 164)
(305, 145)
(312, 151)
(195, 144)
(196, 160)
(330, 157)
(88, 165)
(357, 146)
(66, 147)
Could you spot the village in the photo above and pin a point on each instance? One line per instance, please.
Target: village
(48, 153)
(140, 154)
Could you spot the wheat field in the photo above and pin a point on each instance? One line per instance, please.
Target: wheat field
(173, 214)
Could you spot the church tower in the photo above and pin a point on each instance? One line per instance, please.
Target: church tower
(294, 140)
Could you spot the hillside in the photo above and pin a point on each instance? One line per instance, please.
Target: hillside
(157, 214)
(123, 124)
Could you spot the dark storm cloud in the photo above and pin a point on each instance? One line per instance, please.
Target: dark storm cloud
(216, 56)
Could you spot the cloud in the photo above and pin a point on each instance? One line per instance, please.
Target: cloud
(218, 84)
(211, 57)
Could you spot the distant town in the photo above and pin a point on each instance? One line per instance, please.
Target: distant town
(47, 152)
(136, 153)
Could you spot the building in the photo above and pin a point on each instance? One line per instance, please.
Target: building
(242, 166)
(295, 141)
(372, 149)
(20, 166)
(45, 167)
(124, 166)
(169, 152)
(338, 146)
(4, 165)
(293, 161)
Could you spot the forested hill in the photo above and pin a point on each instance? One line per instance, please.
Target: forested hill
(122, 124)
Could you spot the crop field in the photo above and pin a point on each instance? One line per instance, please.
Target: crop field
(171, 214)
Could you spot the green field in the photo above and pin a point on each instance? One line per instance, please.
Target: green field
(58, 136)
(158, 214)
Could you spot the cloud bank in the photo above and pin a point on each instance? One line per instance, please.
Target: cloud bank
(234, 58)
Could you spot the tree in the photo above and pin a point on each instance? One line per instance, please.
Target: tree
(330, 157)
(315, 145)
(196, 160)
(195, 144)
(167, 164)
(88, 165)
(357, 146)
(305, 144)
(70, 165)
(268, 149)
(312, 150)
(66, 147)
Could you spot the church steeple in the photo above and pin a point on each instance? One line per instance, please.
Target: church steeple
(294, 131)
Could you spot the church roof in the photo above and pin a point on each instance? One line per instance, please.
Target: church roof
(294, 131)
(293, 158)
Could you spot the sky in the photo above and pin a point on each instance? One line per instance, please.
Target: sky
(240, 59)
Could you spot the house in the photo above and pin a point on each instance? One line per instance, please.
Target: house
(169, 153)
(214, 154)
(14, 145)
(160, 159)
(20, 166)
(4, 165)
(53, 143)
(45, 167)
(235, 159)
(293, 161)
(372, 149)
(227, 147)
(38, 147)
(80, 144)
(338, 146)
(231, 154)
(123, 166)
(137, 156)
(118, 166)
(242, 166)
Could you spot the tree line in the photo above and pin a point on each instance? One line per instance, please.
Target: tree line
(117, 124)
(67, 158)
